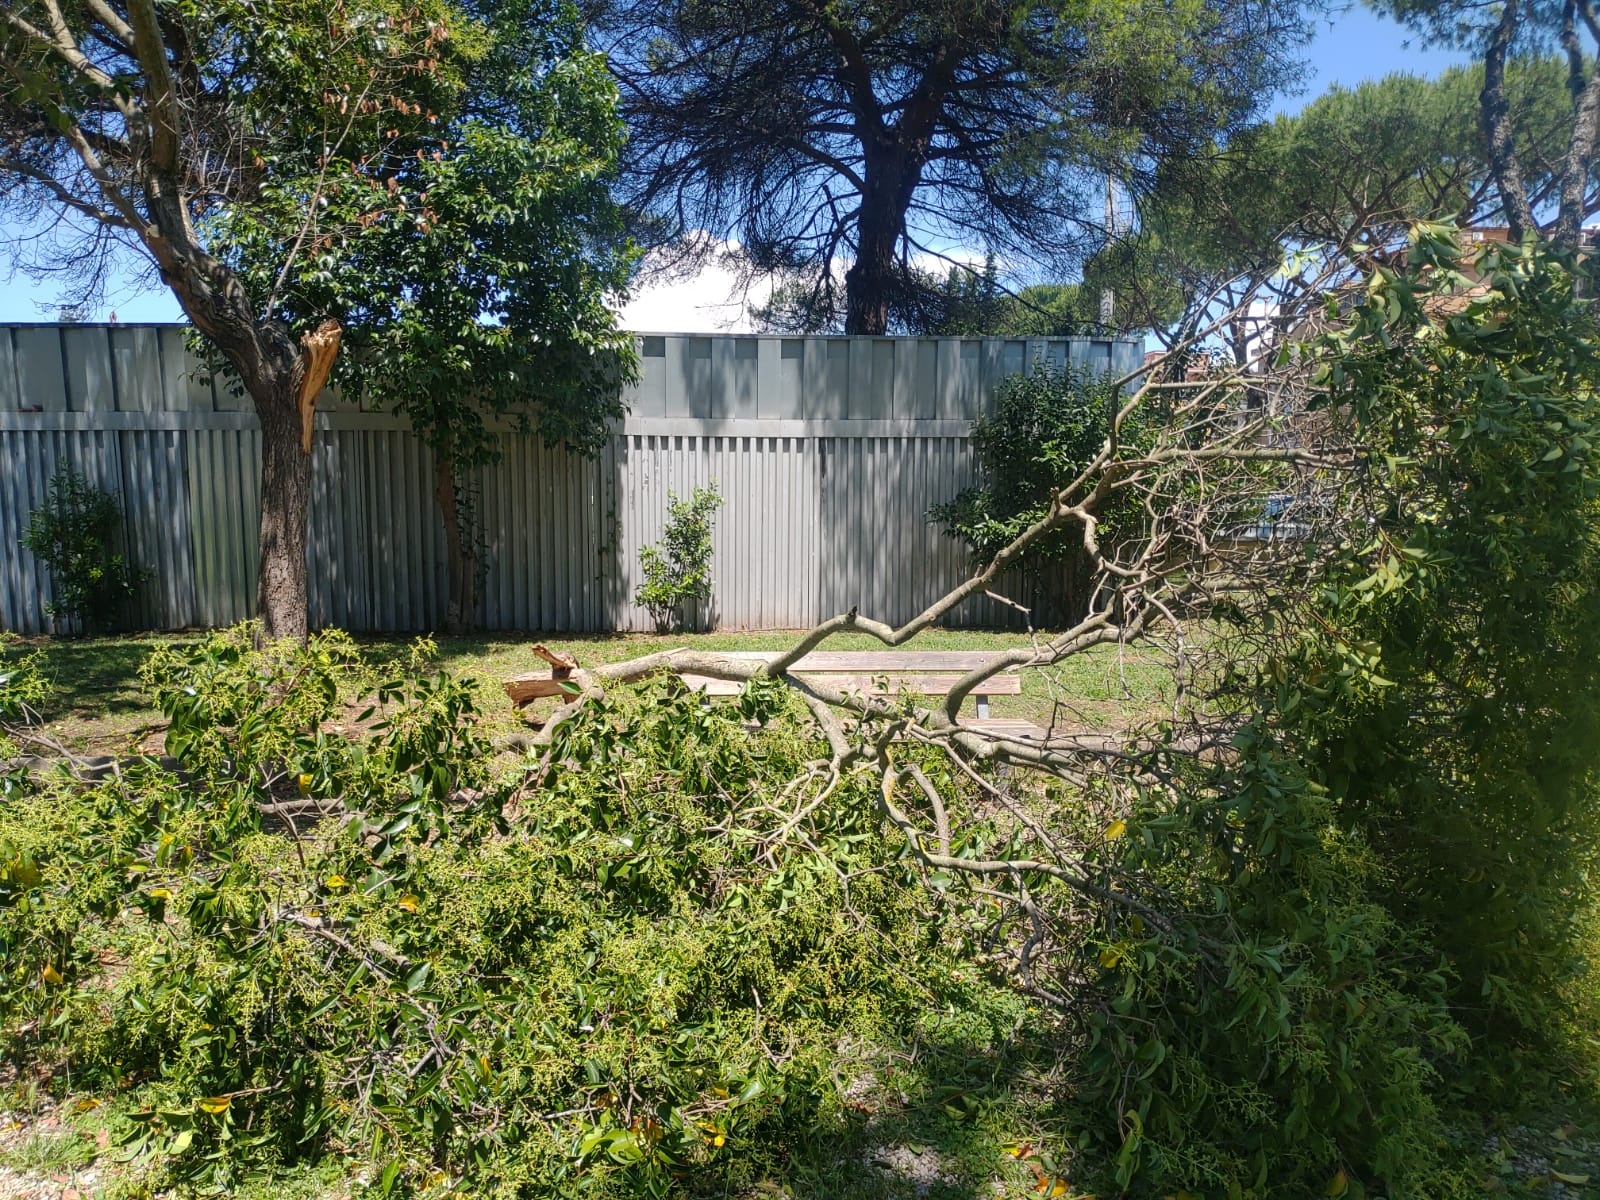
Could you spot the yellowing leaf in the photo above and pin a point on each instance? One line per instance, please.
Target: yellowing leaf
(215, 1104)
(159, 894)
(1563, 1177)
(303, 782)
(1049, 1186)
(334, 881)
(1116, 829)
(51, 975)
(1338, 1185)
(409, 902)
(1109, 958)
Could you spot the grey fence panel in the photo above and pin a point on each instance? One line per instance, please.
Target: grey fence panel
(829, 452)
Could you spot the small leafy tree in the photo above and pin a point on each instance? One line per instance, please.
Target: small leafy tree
(73, 533)
(678, 569)
(131, 123)
(1045, 427)
(476, 300)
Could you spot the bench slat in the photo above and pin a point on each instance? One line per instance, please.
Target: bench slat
(857, 662)
(928, 672)
(926, 684)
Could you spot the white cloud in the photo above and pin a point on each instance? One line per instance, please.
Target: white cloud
(714, 298)
(717, 296)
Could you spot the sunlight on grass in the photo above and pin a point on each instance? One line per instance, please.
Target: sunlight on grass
(98, 705)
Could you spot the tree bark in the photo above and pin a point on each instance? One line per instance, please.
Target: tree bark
(461, 567)
(1495, 117)
(1575, 170)
(285, 506)
(870, 283)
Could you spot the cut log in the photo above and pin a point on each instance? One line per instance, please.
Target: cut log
(556, 658)
(524, 688)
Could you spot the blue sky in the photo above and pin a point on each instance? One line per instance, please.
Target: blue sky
(1352, 44)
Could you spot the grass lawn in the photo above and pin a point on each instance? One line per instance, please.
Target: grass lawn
(98, 706)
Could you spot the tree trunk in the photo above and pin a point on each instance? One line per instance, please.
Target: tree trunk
(1495, 117)
(869, 285)
(285, 506)
(1575, 170)
(871, 281)
(461, 566)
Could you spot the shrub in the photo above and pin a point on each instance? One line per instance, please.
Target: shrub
(1447, 690)
(677, 571)
(73, 533)
(1045, 428)
(1395, 860)
(1276, 1031)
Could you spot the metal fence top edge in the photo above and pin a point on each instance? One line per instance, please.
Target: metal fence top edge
(674, 333)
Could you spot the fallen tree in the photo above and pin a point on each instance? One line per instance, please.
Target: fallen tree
(1260, 841)
(1251, 978)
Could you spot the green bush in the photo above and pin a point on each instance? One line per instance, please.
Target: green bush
(1447, 692)
(1045, 428)
(1376, 905)
(677, 571)
(1273, 1031)
(597, 976)
(73, 533)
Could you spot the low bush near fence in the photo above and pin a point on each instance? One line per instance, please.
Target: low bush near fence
(74, 533)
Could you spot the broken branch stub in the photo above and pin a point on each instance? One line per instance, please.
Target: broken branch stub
(321, 347)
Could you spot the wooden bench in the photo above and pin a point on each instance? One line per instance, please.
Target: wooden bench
(928, 672)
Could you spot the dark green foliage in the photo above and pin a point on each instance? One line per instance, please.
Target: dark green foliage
(1355, 165)
(1449, 695)
(1045, 427)
(1280, 1036)
(965, 303)
(74, 533)
(596, 978)
(476, 296)
(677, 571)
(972, 303)
(868, 131)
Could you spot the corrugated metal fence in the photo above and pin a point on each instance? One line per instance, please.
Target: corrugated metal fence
(829, 452)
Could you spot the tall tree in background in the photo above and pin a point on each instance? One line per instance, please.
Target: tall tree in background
(1530, 181)
(136, 120)
(866, 131)
(1350, 172)
(478, 301)
(966, 302)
